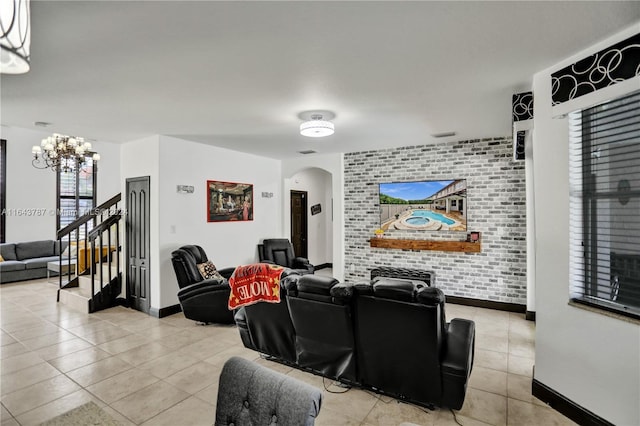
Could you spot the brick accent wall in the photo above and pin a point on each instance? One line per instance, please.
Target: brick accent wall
(496, 208)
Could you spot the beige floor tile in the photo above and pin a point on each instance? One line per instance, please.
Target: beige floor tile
(521, 347)
(144, 353)
(236, 350)
(444, 417)
(190, 412)
(98, 371)
(30, 333)
(329, 417)
(492, 315)
(489, 380)
(181, 339)
(492, 343)
(63, 348)
(195, 378)
(205, 348)
(209, 394)
(124, 344)
(491, 359)
(388, 411)
(169, 364)
(485, 406)
(4, 413)
(149, 402)
(142, 325)
(6, 340)
(121, 385)
(19, 362)
(33, 396)
(78, 359)
(122, 420)
(48, 340)
(12, 326)
(355, 403)
(160, 331)
(26, 377)
(10, 421)
(526, 414)
(496, 329)
(105, 335)
(57, 407)
(90, 328)
(519, 387)
(309, 378)
(520, 365)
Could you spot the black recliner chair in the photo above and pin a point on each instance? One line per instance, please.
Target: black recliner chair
(321, 314)
(404, 346)
(201, 300)
(267, 327)
(280, 251)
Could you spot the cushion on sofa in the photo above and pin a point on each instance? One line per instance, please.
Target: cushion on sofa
(12, 265)
(39, 262)
(8, 251)
(32, 249)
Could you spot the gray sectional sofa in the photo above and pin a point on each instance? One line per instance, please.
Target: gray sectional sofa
(28, 260)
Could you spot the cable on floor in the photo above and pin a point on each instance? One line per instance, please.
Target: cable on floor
(348, 388)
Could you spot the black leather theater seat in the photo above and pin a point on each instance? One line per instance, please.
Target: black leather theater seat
(321, 313)
(388, 335)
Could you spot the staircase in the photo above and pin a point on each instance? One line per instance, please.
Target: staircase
(97, 261)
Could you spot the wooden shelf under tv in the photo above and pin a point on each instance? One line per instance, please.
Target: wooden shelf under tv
(457, 246)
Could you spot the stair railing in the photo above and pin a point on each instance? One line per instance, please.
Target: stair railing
(103, 219)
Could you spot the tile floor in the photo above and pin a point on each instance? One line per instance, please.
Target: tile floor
(144, 370)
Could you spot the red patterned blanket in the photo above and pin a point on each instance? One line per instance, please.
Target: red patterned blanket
(259, 282)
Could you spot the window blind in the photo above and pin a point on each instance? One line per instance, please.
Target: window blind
(604, 200)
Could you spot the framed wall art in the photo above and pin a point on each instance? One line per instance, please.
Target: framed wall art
(229, 201)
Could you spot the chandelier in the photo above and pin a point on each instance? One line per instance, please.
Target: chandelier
(16, 36)
(63, 153)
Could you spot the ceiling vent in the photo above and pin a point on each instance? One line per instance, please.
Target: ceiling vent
(443, 134)
(308, 151)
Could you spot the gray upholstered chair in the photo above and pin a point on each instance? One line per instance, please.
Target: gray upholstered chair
(249, 394)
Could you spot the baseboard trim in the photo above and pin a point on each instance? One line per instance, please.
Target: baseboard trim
(530, 316)
(564, 405)
(166, 311)
(322, 266)
(489, 304)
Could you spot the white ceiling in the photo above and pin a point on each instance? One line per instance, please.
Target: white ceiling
(237, 74)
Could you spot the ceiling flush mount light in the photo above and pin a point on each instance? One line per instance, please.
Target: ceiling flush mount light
(63, 153)
(317, 124)
(15, 43)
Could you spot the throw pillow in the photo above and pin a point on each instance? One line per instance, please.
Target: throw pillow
(208, 271)
(1, 258)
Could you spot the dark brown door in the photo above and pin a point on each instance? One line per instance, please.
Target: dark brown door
(299, 222)
(137, 219)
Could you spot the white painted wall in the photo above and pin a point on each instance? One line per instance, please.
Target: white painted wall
(333, 164)
(317, 183)
(31, 188)
(142, 158)
(590, 358)
(183, 219)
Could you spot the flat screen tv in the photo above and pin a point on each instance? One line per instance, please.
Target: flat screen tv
(430, 205)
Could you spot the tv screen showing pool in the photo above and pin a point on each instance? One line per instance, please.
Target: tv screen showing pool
(432, 205)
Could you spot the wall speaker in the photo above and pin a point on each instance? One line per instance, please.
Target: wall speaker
(518, 145)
